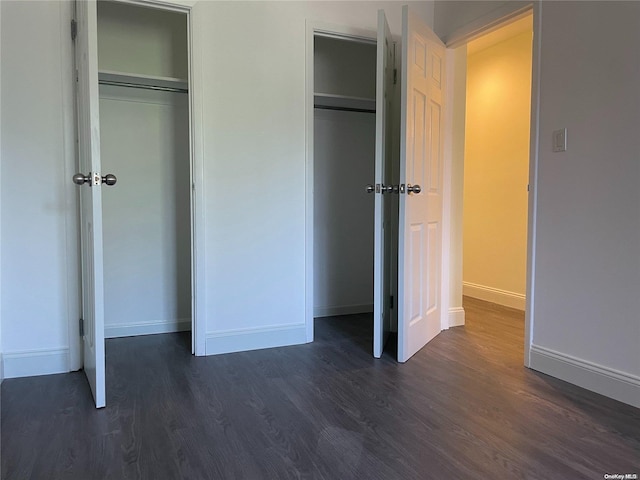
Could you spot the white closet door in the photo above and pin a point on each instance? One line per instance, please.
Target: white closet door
(384, 94)
(420, 229)
(90, 198)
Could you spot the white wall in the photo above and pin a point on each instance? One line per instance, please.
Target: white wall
(252, 66)
(587, 268)
(255, 142)
(588, 262)
(39, 279)
(343, 212)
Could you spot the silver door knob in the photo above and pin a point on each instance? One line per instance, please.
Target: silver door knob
(413, 189)
(386, 188)
(370, 188)
(109, 179)
(81, 179)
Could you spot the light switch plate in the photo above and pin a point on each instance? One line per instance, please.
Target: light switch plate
(560, 140)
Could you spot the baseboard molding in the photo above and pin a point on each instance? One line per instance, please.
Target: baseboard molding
(606, 381)
(134, 329)
(241, 340)
(30, 363)
(456, 317)
(333, 311)
(494, 295)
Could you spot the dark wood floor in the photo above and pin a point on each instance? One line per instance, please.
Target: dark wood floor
(463, 408)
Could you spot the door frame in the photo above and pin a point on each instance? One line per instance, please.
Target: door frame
(345, 33)
(198, 261)
(496, 19)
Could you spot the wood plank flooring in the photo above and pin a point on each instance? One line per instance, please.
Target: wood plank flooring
(463, 408)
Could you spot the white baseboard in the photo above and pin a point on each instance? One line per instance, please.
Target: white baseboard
(333, 311)
(494, 295)
(134, 329)
(29, 363)
(241, 340)
(456, 317)
(597, 378)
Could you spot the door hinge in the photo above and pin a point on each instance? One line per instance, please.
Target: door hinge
(81, 327)
(391, 301)
(74, 29)
(395, 76)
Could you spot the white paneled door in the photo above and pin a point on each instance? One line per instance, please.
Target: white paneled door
(381, 274)
(90, 197)
(421, 182)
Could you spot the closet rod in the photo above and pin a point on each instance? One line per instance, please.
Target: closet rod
(143, 87)
(345, 109)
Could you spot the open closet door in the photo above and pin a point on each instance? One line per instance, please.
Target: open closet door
(384, 94)
(420, 222)
(90, 179)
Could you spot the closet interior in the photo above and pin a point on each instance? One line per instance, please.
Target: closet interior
(144, 141)
(343, 158)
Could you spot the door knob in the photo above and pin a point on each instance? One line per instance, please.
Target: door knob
(386, 188)
(81, 179)
(370, 188)
(413, 189)
(109, 179)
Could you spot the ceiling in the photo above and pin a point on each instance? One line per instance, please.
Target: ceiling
(510, 30)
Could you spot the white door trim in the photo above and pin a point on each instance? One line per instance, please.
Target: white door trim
(484, 25)
(198, 260)
(337, 31)
(72, 199)
(534, 148)
(495, 19)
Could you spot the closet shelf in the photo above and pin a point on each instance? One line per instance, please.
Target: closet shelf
(344, 102)
(142, 81)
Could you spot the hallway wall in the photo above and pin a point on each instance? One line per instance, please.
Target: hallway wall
(496, 166)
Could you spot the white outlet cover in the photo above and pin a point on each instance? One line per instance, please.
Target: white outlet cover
(560, 140)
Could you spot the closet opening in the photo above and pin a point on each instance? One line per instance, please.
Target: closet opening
(344, 141)
(145, 139)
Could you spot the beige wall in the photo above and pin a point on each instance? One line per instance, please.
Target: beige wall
(496, 170)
